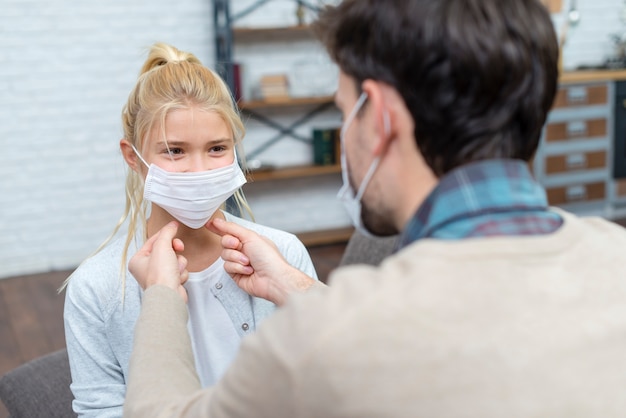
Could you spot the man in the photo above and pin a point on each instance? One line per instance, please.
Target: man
(493, 305)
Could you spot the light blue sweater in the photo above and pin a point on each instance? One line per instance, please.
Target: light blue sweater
(99, 325)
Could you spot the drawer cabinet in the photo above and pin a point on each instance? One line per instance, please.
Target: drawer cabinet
(576, 161)
(576, 193)
(579, 128)
(572, 162)
(569, 96)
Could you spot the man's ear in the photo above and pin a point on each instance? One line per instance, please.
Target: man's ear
(381, 113)
(130, 156)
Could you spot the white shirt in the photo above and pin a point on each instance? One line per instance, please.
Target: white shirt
(211, 324)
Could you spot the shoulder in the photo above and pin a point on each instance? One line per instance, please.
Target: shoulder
(593, 225)
(98, 279)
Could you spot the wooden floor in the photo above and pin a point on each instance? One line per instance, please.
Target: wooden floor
(31, 311)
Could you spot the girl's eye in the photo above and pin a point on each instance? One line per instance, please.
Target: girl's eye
(218, 148)
(175, 151)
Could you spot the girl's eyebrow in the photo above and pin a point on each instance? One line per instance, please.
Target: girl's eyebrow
(220, 140)
(170, 143)
(181, 142)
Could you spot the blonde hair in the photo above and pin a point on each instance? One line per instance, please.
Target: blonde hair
(169, 80)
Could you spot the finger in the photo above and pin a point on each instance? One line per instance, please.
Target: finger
(168, 233)
(146, 248)
(166, 236)
(237, 268)
(184, 276)
(182, 263)
(221, 227)
(235, 257)
(178, 245)
(229, 241)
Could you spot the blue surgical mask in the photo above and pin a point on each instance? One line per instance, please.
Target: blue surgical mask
(350, 199)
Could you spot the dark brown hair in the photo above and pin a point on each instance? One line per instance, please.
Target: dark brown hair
(478, 76)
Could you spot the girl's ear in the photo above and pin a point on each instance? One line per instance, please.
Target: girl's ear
(130, 156)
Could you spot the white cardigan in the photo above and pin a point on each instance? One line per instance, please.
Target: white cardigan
(99, 326)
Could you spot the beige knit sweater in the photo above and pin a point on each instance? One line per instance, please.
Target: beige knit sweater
(486, 327)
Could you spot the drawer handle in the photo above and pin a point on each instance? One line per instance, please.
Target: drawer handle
(577, 95)
(577, 128)
(578, 192)
(574, 161)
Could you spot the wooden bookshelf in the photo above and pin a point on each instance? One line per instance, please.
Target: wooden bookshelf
(325, 236)
(284, 102)
(293, 172)
(252, 34)
(553, 6)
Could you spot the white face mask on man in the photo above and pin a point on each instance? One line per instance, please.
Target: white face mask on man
(192, 197)
(350, 199)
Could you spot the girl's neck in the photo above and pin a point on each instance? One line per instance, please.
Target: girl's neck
(202, 247)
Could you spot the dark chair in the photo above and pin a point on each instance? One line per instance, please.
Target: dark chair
(39, 388)
(362, 249)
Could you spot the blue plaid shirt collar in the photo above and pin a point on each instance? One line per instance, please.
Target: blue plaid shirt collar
(485, 198)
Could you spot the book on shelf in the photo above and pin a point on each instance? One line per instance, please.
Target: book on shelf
(325, 146)
(237, 81)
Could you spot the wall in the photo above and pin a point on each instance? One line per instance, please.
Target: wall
(588, 43)
(67, 68)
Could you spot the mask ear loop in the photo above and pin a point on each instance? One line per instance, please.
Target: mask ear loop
(374, 166)
(140, 157)
(386, 123)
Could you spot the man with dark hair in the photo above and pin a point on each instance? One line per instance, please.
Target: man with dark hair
(492, 305)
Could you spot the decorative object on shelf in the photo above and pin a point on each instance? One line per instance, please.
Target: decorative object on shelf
(274, 87)
(324, 146)
(300, 11)
(618, 58)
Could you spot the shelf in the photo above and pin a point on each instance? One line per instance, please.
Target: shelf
(585, 76)
(253, 34)
(293, 172)
(292, 101)
(325, 236)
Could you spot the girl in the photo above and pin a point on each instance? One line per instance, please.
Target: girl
(181, 129)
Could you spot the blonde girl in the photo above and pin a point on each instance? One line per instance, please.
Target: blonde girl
(181, 130)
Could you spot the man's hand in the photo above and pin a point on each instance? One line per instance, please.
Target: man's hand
(157, 262)
(256, 265)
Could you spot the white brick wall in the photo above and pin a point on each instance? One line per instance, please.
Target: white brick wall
(66, 70)
(589, 42)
